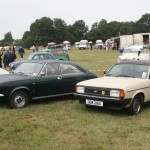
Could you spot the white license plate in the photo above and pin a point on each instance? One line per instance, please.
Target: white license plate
(93, 102)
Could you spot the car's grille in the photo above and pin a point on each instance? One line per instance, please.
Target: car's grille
(97, 91)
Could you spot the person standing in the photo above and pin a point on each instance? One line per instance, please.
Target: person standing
(37, 48)
(13, 48)
(21, 52)
(7, 59)
(1, 54)
(13, 56)
(33, 48)
(91, 45)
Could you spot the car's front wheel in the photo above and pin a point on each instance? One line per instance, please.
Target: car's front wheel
(135, 106)
(19, 99)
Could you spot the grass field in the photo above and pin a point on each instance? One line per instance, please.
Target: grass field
(64, 124)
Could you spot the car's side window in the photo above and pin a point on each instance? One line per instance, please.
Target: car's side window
(69, 69)
(47, 57)
(38, 57)
(51, 69)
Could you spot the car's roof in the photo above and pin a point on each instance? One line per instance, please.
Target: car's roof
(41, 53)
(50, 61)
(146, 62)
(55, 61)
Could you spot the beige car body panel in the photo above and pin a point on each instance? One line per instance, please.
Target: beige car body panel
(131, 86)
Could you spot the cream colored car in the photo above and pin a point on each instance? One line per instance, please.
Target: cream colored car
(125, 85)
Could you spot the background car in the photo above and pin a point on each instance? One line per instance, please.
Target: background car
(135, 52)
(33, 56)
(58, 54)
(41, 79)
(125, 86)
(2, 71)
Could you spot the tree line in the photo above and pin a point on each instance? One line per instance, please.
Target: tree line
(46, 30)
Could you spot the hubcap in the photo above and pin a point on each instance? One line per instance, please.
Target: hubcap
(136, 106)
(19, 101)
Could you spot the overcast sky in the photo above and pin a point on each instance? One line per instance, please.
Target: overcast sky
(16, 16)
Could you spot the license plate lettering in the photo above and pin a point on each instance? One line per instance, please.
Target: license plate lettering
(94, 103)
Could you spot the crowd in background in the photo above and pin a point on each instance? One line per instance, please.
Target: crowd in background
(9, 55)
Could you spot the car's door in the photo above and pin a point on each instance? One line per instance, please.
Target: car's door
(71, 74)
(59, 78)
(49, 82)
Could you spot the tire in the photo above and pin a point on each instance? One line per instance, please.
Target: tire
(19, 99)
(135, 106)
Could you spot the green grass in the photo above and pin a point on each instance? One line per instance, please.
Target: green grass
(64, 124)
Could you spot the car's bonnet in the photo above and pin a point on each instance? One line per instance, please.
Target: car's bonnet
(115, 83)
(12, 77)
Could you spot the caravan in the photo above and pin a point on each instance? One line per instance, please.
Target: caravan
(84, 44)
(99, 44)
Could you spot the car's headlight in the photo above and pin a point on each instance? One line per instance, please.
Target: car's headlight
(80, 89)
(117, 93)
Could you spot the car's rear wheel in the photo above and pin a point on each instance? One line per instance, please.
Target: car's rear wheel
(135, 106)
(19, 99)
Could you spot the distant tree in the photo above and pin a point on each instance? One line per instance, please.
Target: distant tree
(60, 30)
(45, 30)
(26, 35)
(8, 37)
(42, 31)
(79, 29)
(104, 30)
(99, 31)
(42, 27)
(143, 24)
(126, 28)
(19, 42)
(94, 26)
(71, 36)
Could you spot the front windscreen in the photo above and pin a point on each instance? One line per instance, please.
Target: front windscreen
(128, 70)
(31, 69)
(30, 57)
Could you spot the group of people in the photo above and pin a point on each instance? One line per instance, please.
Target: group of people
(10, 56)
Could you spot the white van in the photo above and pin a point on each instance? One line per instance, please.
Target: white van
(99, 44)
(84, 44)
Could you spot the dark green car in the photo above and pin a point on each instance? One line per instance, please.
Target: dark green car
(41, 79)
(58, 54)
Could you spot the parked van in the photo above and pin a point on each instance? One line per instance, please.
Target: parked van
(99, 44)
(84, 44)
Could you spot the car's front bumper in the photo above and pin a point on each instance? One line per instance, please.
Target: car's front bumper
(108, 102)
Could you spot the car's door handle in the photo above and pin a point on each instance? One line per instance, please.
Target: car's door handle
(59, 78)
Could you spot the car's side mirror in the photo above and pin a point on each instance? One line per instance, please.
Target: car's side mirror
(42, 74)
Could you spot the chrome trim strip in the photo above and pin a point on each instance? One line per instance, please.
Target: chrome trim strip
(49, 96)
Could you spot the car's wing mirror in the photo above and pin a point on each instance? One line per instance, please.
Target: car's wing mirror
(42, 74)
